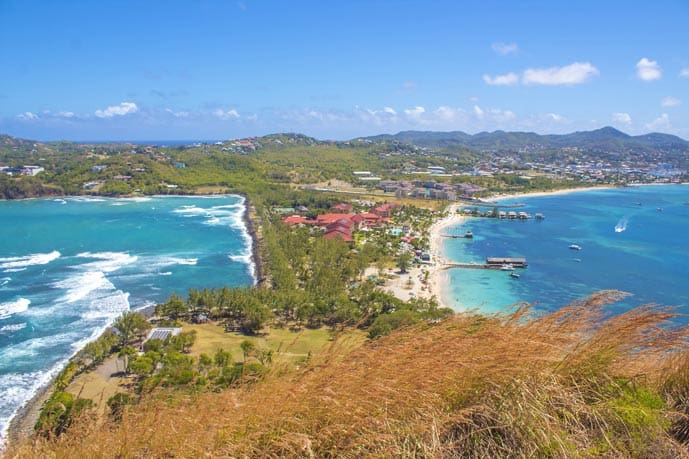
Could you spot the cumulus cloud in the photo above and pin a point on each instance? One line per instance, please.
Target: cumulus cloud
(415, 112)
(576, 73)
(505, 48)
(684, 73)
(556, 117)
(27, 116)
(65, 114)
(226, 115)
(621, 117)
(508, 79)
(648, 70)
(660, 123)
(124, 108)
(670, 102)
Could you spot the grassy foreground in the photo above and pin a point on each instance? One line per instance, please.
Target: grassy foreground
(570, 384)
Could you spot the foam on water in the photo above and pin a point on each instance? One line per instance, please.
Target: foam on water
(28, 260)
(110, 261)
(12, 328)
(81, 285)
(13, 307)
(101, 270)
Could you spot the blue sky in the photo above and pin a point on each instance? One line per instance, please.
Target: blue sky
(212, 69)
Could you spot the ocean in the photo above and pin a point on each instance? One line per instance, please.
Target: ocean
(69, 266)
(633, 239)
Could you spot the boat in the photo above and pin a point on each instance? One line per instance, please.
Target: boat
(506, 267)
(575, 247)
(515, 275)
(659, 209)
(540, 216)
(468, 234)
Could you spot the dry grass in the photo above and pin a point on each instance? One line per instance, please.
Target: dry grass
(570, 384)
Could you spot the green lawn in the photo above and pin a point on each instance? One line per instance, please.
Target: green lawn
(285, 343)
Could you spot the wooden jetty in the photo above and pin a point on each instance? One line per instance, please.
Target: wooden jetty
(491, 263)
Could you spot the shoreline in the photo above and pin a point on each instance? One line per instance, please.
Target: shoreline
(438, 278)
(535, 194)
(22, 423)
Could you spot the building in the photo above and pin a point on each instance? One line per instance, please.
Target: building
(342, 208)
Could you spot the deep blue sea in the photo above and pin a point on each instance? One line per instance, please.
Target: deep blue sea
(69, 266)
(634, 239)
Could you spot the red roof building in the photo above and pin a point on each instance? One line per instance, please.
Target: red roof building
(326, 219)
(342, 208)
(338, 233)
(384, 209)
(367, 219)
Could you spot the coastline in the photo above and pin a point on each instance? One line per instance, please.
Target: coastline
(534, 194)
(438, 277)
(253, 228)
(22, 422)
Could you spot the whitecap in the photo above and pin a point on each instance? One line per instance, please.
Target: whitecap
(110, 261)
(15, 270)
(13, 327)
(14, 307)
(28, 260)
(166, 273)
(80, 286)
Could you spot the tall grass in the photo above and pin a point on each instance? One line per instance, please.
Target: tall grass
(573, 383)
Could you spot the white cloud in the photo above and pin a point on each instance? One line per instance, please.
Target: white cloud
(27, 116)
(621, 117)
(177, 114)
(65, 114)
(648, 70)
(576, 73)
(670, 102)
(556, 117)
(390, 111)
(684, 73)
(508, 79)
(478, 111)
(226, 115)
(415, 112)
(660, 123)
(505, 48)
(124, 108)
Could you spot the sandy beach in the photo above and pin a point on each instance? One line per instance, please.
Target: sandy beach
(406, 286)
(534, 194)
(426, 280)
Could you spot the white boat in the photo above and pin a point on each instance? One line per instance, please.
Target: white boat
(507, 267)
(575, 247)
(515, 275)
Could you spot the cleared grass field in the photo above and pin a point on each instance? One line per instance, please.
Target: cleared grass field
(284, 343)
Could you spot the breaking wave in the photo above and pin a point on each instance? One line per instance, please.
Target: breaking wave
(13, 263)
(14, 307)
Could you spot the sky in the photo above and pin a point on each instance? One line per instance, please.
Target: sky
(223, 69)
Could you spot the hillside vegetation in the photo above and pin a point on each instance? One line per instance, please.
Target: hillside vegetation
(573, 383)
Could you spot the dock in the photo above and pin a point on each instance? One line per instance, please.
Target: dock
(491, 263)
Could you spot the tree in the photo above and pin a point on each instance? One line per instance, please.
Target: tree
(247, 347)
(222, 358)
(174, 307)
(129, 325)
(403, 262)
(141, 366)
(126, 353)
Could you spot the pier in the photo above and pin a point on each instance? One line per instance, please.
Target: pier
(491, 263)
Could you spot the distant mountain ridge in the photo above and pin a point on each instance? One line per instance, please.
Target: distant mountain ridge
(607, 138)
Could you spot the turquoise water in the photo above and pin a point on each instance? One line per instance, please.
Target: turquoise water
(633, 239)
(69, 266)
